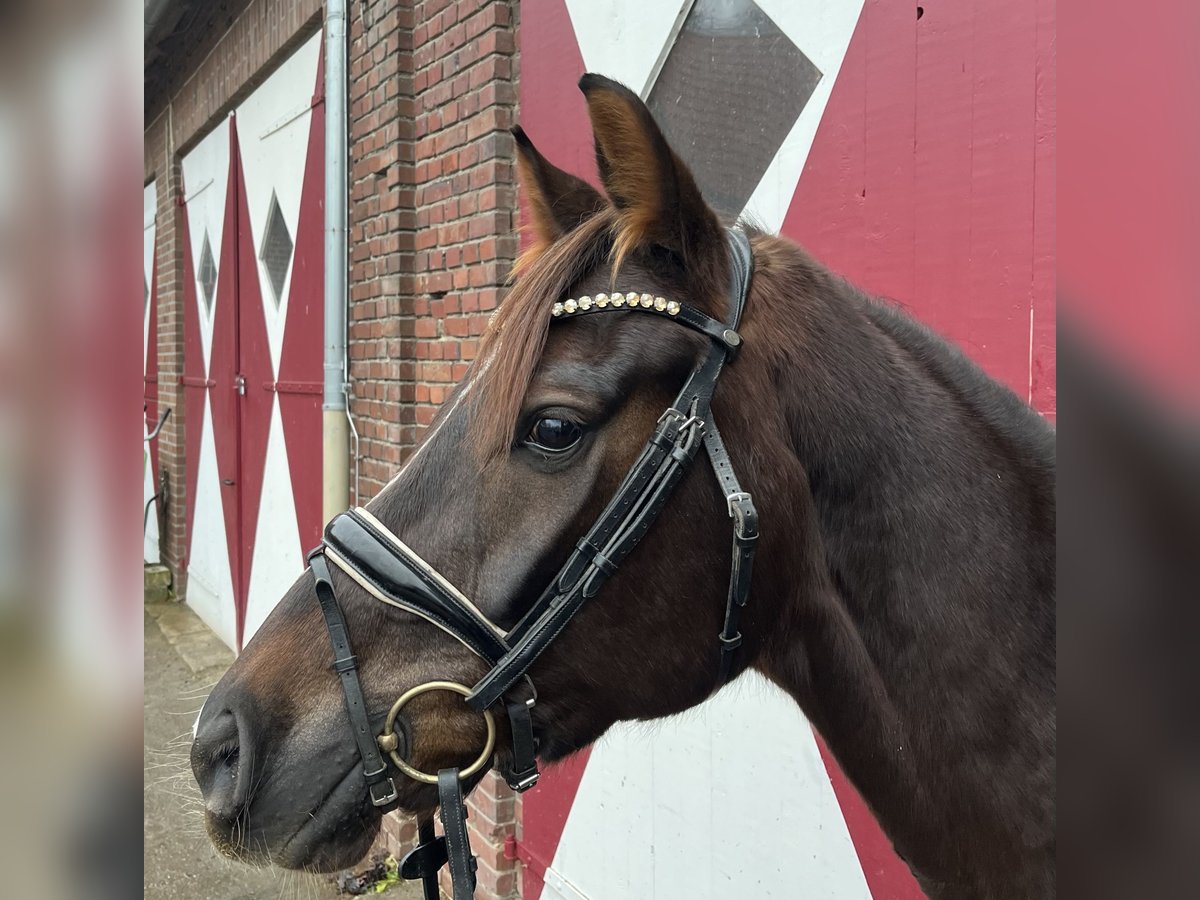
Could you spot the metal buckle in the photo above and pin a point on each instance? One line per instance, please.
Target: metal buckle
(524, 781)
(728, 645)
(735, 497)
(389, 797)
(671, 413)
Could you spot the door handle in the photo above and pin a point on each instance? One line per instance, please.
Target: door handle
(239, 385)
(227, 481)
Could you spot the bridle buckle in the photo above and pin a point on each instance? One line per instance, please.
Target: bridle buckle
(736, 497)
(388, 796)
(523, 781)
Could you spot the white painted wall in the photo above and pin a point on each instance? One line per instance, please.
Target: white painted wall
(730, 799)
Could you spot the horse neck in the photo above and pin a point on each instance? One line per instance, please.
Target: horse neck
(923, 482)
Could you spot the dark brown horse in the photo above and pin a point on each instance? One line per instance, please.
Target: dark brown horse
(904, 586)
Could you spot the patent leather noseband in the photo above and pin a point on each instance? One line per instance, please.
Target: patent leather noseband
(379, 562)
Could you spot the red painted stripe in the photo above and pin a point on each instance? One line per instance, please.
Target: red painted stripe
(544, 812)
(887, 32)
(1043, 377)
(300, 374)
(1002, 181)
(254, 365)
(222, 370)
(888, 876)
(942, 169)
(552, 109)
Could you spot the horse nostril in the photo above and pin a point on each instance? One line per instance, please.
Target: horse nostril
(217, 764)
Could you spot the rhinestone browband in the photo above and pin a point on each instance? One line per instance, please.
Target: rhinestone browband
(602, 301)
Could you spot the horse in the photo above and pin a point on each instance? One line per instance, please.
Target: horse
(903, 589)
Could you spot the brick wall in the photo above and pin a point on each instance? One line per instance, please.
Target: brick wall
(432, 237)
(432, 208)
(163, 165)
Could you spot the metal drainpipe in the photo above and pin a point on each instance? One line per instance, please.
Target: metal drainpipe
(336, 431)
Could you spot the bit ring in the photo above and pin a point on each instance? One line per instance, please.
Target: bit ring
(389, 743)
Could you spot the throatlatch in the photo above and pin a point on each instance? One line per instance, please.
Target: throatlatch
(379, 562)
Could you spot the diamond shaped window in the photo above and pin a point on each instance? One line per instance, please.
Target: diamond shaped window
(727, 96)
(276, 251)
(207, 275)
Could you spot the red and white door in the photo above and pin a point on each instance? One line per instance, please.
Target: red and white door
(911, 149)
(252, 347)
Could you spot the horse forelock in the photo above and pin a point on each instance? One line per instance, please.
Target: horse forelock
(512, 346)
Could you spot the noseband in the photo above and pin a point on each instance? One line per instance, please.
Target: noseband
(379, 562)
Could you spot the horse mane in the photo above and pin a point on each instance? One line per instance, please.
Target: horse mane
(512, 345)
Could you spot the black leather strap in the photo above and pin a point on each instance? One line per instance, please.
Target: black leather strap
(454, 824)
(523, 773)
(741, 267)
(738, 502)
(381, 787)
(745, 541)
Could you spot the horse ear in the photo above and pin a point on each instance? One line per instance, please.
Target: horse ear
(656, 195)
(558, 201)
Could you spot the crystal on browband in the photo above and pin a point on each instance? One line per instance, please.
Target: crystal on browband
(603, 301)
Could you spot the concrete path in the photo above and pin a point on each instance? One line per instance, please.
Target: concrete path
(183, 661)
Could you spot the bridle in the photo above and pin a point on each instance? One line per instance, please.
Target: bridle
(379, 562)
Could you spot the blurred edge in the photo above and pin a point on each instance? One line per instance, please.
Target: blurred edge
(1129, 393)
(70, 671)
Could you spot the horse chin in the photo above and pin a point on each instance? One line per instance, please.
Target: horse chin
(324, 846)
(335, 834)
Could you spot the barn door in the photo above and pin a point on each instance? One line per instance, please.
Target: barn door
(280, 135)
(209, 366)
(252, 348)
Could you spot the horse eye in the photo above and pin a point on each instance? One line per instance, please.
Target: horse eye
(554, 435)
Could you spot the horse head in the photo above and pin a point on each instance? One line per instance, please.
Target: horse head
(522, 458)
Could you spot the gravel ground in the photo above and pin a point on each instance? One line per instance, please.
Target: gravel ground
(183, 660)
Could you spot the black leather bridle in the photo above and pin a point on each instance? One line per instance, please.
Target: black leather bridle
(378, 561)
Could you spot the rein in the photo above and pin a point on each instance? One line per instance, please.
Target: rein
(379, 562)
